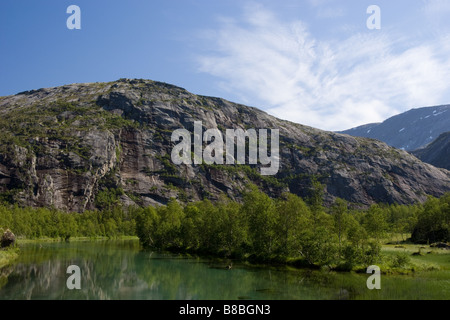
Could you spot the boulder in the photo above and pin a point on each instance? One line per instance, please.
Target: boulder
(8, 239)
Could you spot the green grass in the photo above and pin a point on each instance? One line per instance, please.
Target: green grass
(421, 257)
(8, 255)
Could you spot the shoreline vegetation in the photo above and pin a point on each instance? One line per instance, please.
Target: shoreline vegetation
(287, 232)
(7, 256)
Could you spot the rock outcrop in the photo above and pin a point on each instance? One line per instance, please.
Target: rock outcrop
(82, 146)
(8, 239)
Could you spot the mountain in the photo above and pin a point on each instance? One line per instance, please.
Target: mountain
(82, 146)
(436, 153)
(410, 130)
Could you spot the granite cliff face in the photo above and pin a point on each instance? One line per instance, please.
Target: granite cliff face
(82, 146)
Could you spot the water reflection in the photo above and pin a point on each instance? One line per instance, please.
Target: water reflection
(120, 270)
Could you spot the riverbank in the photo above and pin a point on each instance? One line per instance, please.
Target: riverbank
(414, 257)
(74, 239)
(405, 259)
(7, 256)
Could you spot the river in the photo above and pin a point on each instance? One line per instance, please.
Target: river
(119, 269)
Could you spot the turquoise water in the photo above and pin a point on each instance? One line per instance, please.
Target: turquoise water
(121, 270)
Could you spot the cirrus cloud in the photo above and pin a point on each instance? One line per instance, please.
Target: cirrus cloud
(334, 84)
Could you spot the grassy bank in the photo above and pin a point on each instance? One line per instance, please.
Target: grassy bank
(74, 239)
(405, 259)
(8, 255)
(414, 258)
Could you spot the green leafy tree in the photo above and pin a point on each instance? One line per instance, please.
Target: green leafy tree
(210, 227)
(234, 229)
(339, 211)
(375, 222)
(168, 229)
(402, 219)
(190, 232)
(315, 199)
(292, 216)
(147, 221)
(260, 212)
(319, 246)
(433, 224)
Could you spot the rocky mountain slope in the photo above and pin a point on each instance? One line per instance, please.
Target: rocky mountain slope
(82, 146)
(410, 130)
(436, 153)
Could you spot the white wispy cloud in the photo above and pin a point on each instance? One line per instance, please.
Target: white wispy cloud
(281, 67)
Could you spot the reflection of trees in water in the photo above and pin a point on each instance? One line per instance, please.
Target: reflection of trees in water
(107, 269)
(194, 279)
(28, 281)
(118, 270)
(4, 273)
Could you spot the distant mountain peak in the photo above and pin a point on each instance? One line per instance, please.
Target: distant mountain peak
(410, 130)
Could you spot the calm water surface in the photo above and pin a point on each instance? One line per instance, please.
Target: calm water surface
(120, 270)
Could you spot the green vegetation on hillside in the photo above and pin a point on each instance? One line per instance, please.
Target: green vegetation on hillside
(30, 127)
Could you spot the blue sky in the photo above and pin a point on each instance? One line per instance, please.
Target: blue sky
(312, 61)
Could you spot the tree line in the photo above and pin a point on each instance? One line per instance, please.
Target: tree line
(258, 228)
(35, 223)
(289, 228)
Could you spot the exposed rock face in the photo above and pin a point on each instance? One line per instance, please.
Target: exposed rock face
(436, 153)
(85, 145)
(8, 239)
